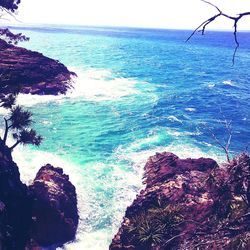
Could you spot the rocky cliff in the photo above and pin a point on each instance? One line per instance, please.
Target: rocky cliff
(43, 214)
(54, 210)
(31, 72)
(46, 212)
(189, 204)
(15, 204)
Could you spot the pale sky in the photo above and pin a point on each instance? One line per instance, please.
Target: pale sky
(186, 14)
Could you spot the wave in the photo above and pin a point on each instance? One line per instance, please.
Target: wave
(176, 133)
(104, 191)
(190, 109)
(211, 85)
(173, 118)
(90, 85)
(229, 82)
(185, 150)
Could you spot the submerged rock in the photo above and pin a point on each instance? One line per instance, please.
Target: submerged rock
(189, 204)
(54, 212)
(31, 72)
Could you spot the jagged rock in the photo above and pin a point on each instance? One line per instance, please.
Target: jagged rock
(189, 203)
(15, 205)
(54, 210)
(43, 214)
(166, 165)
(32, 72)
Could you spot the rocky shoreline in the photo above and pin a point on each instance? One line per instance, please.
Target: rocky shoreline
(42, 214)
(31, 72)
(189, 204)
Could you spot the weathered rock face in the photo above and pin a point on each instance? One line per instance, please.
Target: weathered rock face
(32, 72)
(189, 204)
(43, 214)
(15, 204)
(55, 207)
(166, 165)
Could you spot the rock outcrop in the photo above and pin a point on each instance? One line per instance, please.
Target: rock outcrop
(31, 72)
(46, 212)
(189, 204)
(54, 210)
(15, 204)
(43, 214)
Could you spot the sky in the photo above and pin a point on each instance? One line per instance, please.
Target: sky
(176, 14)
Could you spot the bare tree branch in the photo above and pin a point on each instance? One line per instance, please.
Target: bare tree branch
(235, 19)
(225, 145)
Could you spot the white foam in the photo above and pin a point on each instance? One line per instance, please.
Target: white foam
(123, 183)
(139, 158)
(95, 85)
(173, 118)
(145, 141)
(211, 85)
(176, 133)
(190, 109)
(91, 85)
(229, 82)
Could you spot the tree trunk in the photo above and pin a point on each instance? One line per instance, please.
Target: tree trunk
(12, 147)
(6, 130)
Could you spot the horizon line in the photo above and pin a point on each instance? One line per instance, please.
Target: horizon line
(38, 25)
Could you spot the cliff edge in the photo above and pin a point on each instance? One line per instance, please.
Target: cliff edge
(31, 72)
(189, 204)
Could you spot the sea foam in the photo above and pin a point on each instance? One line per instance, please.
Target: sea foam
(99, 218)
(89, 85)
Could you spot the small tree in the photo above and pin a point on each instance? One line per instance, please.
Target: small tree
(19, 122)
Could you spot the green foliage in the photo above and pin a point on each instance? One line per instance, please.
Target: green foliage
(12, 38)
(156, 225)
(19, 122)
(150, 233)
(7, 101)
(9, 5)
(28, 137)
(169, 216)
(20, 118)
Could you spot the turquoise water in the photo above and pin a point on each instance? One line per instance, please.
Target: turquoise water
(137, 92)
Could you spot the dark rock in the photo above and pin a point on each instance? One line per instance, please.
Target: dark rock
(54, 210)
(43, 214)
(31, 72)
(15, 205)
(162, 166)
(189, 204)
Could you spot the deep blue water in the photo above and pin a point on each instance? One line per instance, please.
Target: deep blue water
(138, 91)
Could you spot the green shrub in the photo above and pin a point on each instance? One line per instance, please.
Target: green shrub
(155, 226)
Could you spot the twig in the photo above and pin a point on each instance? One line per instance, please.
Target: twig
(171, 239)
(213, 18)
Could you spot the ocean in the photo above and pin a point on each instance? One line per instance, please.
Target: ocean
(138, 92)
